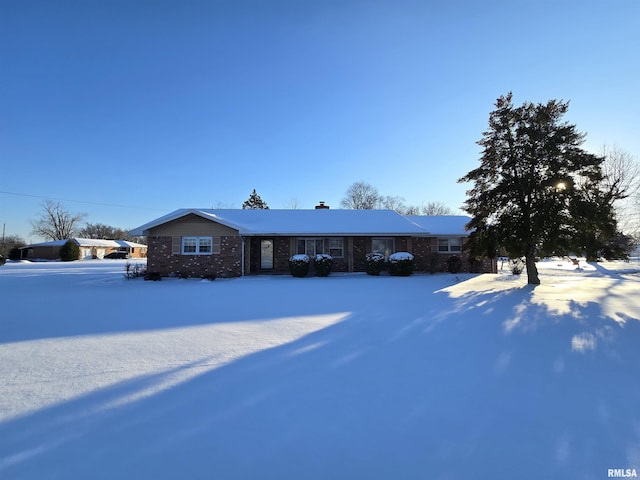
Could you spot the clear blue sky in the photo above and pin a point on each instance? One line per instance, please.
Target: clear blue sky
(139, 107)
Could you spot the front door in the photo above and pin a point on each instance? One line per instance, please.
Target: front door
(266, 254)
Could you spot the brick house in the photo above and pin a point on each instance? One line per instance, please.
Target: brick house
(232, 243)
(89, 248)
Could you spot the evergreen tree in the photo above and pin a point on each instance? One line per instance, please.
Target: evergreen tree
(536, 192)
(254, 202)
(70, 251)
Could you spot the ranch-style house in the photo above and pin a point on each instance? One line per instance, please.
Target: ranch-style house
(233, 242)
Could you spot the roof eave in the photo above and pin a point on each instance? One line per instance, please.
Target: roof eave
(335, 234)
(143, 230)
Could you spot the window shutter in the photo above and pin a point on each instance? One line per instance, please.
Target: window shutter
(176, 245)
(216, 245)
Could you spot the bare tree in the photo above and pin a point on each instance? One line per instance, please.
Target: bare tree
(293, 204)
(103, 232)
(621, 173)
(9, 242)
(361, 196)
(55, 222)
(222, 206)
(621, 183)
(413, 210)
(393, 203)
(435, 209)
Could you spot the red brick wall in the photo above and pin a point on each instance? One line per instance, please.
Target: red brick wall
(228, 263)
(421, 251)
(281, 254)
(361, 246)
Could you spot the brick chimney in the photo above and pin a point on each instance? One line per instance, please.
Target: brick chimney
(322, 206)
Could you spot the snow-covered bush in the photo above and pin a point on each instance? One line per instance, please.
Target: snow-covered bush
(70, 251)
(454, 264)
(516, 265)
(374, 263)
(299, 265)
(323, 264)
(401, 264)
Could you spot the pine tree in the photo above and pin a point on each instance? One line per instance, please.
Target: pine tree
(70, 251)
(536, 192)
(254, 202)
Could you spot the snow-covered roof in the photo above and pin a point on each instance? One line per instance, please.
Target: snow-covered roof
(90, 242)
(308, 222)
(442, 225)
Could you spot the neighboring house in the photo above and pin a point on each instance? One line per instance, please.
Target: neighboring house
(232, 243)
(89, 248)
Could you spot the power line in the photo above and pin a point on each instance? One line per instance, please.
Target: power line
(81, 201)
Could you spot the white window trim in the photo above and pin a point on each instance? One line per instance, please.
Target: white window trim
(214, 242)
(449, 250)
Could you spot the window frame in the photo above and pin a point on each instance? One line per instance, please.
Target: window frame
(315, 241)
(458, 245)
(341, 247)
(203, 245)
(384, 239)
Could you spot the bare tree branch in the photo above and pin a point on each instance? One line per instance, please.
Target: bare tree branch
(435, 209)
(56, 223)
(293, 204)
(621, 173)
(361, 196)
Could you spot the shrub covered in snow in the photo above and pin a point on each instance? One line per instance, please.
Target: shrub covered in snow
(299, 265)
(454, 264)
(374, 263)
(401, 264)
(70, 251)
(516, 265)
(323, 264)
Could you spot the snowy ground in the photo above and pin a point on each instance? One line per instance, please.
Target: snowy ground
(350, 376)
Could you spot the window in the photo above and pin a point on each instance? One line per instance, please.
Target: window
(310, 246)
(386, 246)
(190, 245)
(200, 245)
(336, 247)
(449, 245)
(206, 245)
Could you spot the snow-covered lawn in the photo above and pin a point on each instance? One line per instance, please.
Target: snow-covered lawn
(345, 377)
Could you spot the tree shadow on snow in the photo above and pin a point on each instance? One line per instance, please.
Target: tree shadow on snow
(483, 385)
